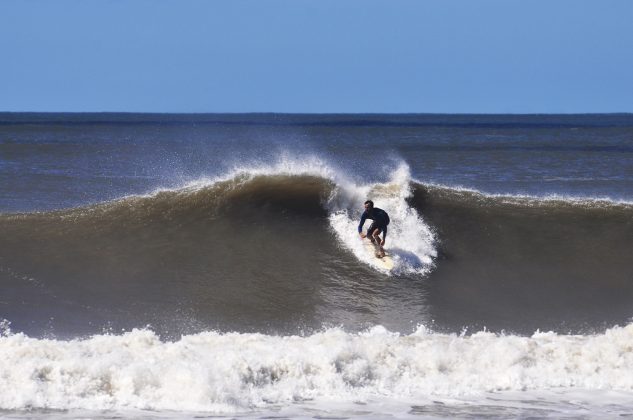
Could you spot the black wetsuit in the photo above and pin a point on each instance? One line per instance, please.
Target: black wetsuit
(380, 218)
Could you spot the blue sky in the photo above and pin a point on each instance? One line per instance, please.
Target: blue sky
(438, 56)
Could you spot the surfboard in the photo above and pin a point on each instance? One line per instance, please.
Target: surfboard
(385, 262)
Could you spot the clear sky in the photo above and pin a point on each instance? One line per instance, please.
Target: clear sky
(437, 56)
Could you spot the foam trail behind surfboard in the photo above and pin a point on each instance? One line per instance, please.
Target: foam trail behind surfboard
(409, 240)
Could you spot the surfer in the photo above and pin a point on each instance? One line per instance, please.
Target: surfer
(380, 221)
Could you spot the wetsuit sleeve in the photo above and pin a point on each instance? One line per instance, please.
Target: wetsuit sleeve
(384, 233)
(362, 222)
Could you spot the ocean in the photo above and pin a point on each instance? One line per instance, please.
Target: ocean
(209, 265)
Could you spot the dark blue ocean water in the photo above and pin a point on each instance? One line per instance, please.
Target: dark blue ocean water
(52, 161)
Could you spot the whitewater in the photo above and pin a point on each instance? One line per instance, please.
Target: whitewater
(233, 373)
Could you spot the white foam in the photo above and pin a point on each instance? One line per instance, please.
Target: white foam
(234, 372)
(409, 240)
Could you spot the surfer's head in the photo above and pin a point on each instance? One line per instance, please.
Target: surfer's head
(369, 205)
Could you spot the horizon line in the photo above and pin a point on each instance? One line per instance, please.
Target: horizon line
(319, 113)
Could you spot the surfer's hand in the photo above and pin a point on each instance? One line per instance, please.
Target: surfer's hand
(362, 235)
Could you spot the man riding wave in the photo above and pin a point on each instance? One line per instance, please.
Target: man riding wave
(379, 225)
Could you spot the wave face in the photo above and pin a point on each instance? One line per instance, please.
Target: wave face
(277, 251)
(254, 252)
(520, 263)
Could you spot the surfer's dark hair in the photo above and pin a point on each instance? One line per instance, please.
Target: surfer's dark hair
(371, 203)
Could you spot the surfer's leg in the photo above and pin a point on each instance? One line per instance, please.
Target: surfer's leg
(376, 237)
(370, 233)
(376, 240)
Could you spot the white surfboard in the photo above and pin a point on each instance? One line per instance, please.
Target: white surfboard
(385, 262)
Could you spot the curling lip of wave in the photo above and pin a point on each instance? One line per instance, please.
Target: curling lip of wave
(526, 198)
